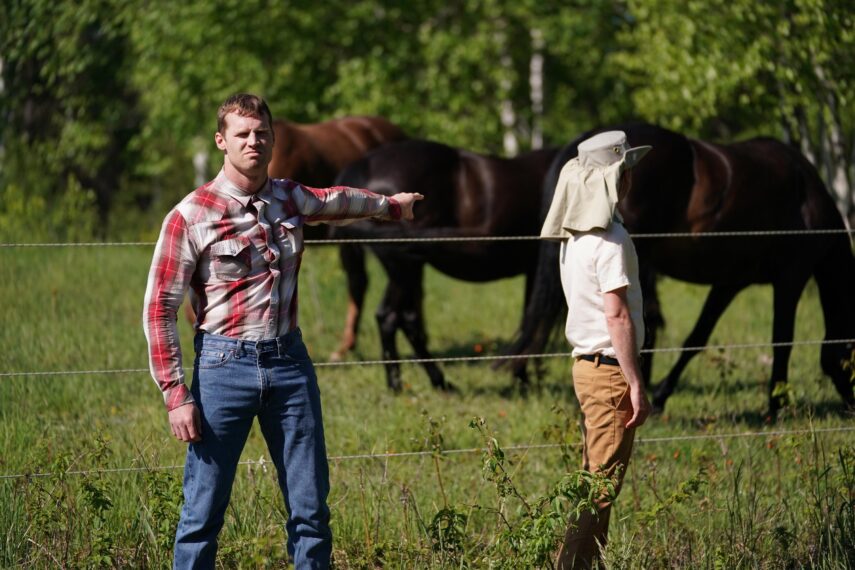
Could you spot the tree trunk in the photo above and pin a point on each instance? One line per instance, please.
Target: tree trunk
(836, 161)
(200, 166)
(507, 113)
(535, 81)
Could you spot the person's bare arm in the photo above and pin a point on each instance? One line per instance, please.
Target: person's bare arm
(622, 333)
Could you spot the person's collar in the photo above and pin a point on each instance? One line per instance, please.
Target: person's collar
(229, 188)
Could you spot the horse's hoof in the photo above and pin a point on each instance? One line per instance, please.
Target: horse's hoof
(448, 388)
(336, 356)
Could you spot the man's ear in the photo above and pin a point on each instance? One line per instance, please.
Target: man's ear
(221, 141)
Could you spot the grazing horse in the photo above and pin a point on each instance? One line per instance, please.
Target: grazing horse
(687, 185)
(465, 195)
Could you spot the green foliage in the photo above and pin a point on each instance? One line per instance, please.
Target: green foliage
(162, 507)
(68, 110)
(728, 69)
(567, 434)
(114, 98)
(531, 538)
(447, 530)
(34, 217)
(685, 490)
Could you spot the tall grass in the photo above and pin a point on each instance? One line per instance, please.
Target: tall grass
(776, 501)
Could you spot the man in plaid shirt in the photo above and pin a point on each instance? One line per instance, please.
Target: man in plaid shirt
(237, 243)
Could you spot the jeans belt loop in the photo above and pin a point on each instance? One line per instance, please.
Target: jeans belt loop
(239, 349)
(597, 360)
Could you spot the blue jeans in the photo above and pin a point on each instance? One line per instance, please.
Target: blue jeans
(233, 382)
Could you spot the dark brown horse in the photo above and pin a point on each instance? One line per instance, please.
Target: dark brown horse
(466, 194)
(686, 185)
(314, 154)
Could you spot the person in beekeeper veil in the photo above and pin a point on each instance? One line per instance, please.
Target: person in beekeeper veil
(599, 276)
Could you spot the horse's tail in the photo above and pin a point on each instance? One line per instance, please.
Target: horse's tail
(835, 278)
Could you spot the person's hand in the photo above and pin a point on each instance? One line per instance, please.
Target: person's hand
(186, 423)
(640, 407)
(406, 201)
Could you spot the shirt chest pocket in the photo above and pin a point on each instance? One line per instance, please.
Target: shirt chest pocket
(289, 235)
(231, 259)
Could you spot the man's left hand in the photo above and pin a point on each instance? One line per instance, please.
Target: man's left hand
(406, 201)
(640, 407)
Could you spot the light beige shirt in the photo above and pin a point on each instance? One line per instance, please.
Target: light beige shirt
(593, 263)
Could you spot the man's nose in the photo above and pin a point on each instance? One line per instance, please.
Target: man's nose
(254, 139)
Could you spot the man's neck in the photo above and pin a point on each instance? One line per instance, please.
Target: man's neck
(248, 183)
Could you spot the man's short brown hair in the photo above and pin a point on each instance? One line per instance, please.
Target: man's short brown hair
(245, 105)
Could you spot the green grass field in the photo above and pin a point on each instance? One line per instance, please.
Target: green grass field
(770, 501)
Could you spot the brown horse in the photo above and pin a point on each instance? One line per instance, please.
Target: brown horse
(466, 194)
(314, 154)
(686, 185)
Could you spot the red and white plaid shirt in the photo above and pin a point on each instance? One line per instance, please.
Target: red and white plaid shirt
(240, 253)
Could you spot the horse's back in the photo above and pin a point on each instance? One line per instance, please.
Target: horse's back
(465, 194)
(315, 153)
(509, 191)
(341, 141)
(411, 165)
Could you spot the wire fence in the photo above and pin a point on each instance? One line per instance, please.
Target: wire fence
(470, 450)
(411, 454)
(440, 239)
(460, 359)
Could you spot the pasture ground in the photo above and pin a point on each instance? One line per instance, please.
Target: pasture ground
(774, 501)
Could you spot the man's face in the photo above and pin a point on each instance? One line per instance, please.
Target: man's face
(247, 143)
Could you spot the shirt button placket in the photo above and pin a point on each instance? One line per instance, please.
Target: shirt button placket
(270, 240)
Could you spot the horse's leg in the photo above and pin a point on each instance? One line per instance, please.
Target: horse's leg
(388, 320)
(717, 301)
(653, 319)
(352, 257)
(835, 278)
(786, 298)
(413, 324)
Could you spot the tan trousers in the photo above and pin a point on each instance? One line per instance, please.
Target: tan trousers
(604, 396)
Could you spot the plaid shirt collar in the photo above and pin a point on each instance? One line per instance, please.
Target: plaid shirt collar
(223, 185)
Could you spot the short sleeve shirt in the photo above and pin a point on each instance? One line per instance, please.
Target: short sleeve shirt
(593, 263)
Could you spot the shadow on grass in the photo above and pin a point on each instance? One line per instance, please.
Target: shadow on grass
(759, 418)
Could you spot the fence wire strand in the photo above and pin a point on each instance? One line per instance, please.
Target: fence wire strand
(439, 239)
(262, 462)
(411, 454)
(455, 359)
